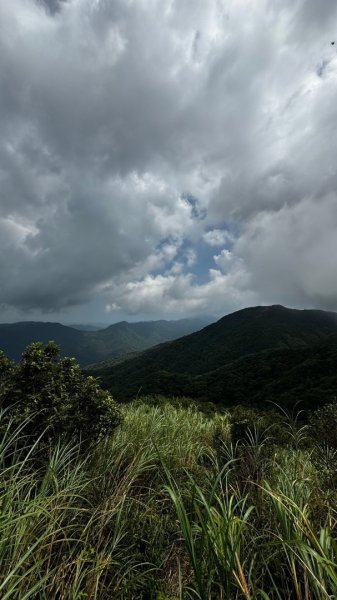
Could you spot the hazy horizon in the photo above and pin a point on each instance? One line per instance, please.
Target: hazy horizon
(206, 318)
(102, 324)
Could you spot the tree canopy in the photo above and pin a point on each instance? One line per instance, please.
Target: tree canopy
(52, 394)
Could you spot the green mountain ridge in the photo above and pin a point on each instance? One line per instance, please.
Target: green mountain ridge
(88, 347)
(255, 355)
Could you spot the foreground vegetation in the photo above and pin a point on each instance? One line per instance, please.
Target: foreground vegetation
(176, 503)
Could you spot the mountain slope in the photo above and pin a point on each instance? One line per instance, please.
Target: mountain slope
(94, 346)
(239, 356)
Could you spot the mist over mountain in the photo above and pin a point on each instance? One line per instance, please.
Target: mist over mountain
(95, 346)
(256, 354)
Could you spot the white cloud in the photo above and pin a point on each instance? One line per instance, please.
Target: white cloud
(178, 294)
(218, 237)
(225, 260)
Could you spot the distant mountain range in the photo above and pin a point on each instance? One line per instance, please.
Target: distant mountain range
(88, 347)
(260, 354)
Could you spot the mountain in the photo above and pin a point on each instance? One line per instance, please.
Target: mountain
(14, 337)
(94, 346)
(253, 354)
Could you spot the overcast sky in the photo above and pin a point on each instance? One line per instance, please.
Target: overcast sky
(164, 158)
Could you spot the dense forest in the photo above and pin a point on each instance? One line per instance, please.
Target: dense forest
(254, 356)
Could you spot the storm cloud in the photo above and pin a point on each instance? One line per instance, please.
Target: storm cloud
(168, 157)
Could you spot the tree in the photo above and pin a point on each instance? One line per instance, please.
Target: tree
(53, 395)
(323, 425)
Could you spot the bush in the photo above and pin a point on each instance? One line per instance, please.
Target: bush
(52, 393)
(323, 425)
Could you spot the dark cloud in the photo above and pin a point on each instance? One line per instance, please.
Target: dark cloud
(316, 18)
(53, 6)
(129, 129)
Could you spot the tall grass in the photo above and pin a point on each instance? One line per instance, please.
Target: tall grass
(59, 537)
(166, 508)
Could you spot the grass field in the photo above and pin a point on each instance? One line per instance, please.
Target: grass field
(176, 504)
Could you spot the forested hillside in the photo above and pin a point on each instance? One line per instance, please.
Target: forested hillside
(254, 355)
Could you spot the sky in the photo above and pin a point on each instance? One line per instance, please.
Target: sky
(166, 158)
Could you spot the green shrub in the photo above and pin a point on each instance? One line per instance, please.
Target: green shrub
(51, 393)
(323, 425)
